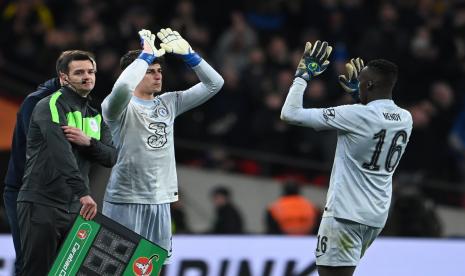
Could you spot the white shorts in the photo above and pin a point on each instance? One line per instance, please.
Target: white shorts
(151, 221)
(343, 242)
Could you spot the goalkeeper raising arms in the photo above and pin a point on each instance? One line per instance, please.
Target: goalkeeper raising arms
(143, 182)
(372, 136)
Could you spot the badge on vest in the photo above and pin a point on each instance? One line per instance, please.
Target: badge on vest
(93, 124)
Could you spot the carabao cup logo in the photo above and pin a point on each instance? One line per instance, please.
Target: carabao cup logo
(82, 234)
(143, 266)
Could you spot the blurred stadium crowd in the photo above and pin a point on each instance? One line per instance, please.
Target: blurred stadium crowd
(256, 46)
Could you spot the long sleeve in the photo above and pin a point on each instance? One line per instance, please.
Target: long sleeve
(293, 111)
(102, 151)
(113, 105)
(58, 146)
(210, 83)
(344, 117)
(18, 158)
(18, 148)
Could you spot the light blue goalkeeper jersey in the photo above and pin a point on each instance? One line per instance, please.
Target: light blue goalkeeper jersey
(371, 141)
(142, 130)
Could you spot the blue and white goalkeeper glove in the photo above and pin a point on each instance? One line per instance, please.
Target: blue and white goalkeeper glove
(172, 42)
(149, 51)
(314, 61)
(349, 81)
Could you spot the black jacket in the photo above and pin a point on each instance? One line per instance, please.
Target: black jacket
(56, 171)
(228, 220)
(14, 175)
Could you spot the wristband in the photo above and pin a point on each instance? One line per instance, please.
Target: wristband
(193, 59)
(149, 58)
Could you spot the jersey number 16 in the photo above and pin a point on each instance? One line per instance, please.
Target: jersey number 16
(395, 149)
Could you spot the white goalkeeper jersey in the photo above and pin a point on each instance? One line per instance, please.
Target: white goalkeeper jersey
(370, 144)
(142, 130)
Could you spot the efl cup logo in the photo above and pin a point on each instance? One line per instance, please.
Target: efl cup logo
(143, 266)
(82, 234)
(93, 124)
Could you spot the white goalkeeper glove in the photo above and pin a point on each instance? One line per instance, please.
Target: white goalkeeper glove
(172, 42)
(314, 61)
(149, 51)
(349, 81)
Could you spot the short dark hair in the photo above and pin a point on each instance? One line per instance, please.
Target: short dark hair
(130, 56)
(221, 190)
(65, 58)
(387, 71)
(291, 188)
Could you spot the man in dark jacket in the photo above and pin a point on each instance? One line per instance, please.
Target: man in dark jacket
(65, 135)
(228, 219)
(14, 175)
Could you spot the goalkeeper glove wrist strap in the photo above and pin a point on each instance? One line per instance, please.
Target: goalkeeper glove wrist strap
(305, 78)
(149, 58)
(193, 59)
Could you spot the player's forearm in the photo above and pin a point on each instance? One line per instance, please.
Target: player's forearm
(115, 103)
(211, 83)
(103, 153)
(293, 111)
(209, 77)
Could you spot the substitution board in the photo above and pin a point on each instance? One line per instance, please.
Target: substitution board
(104, 247)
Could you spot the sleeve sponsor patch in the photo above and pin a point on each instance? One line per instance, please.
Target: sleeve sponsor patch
(329, 113)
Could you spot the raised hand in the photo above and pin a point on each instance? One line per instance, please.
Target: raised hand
(314, 61)
(349, 81)
(173, 42)
(147, 40)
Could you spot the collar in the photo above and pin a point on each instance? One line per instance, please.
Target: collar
(73, 96)
(143, 102)
(381, 102)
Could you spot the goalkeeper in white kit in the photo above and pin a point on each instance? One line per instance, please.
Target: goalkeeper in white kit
(372, 136)
(143, 182)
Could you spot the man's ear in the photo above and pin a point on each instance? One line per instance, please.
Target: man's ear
(63, 78)
(370, 85)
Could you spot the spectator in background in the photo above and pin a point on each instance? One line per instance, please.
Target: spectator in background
(386, 38)
(457, 142)
(265, 123)
(235, 43)
(178, 218)
(442, 164)
(413, 215)
(292, 213)
(225, 115)
(228, 219)
(185, 22)
(279, 57)
(418, 156)
(25, 22)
